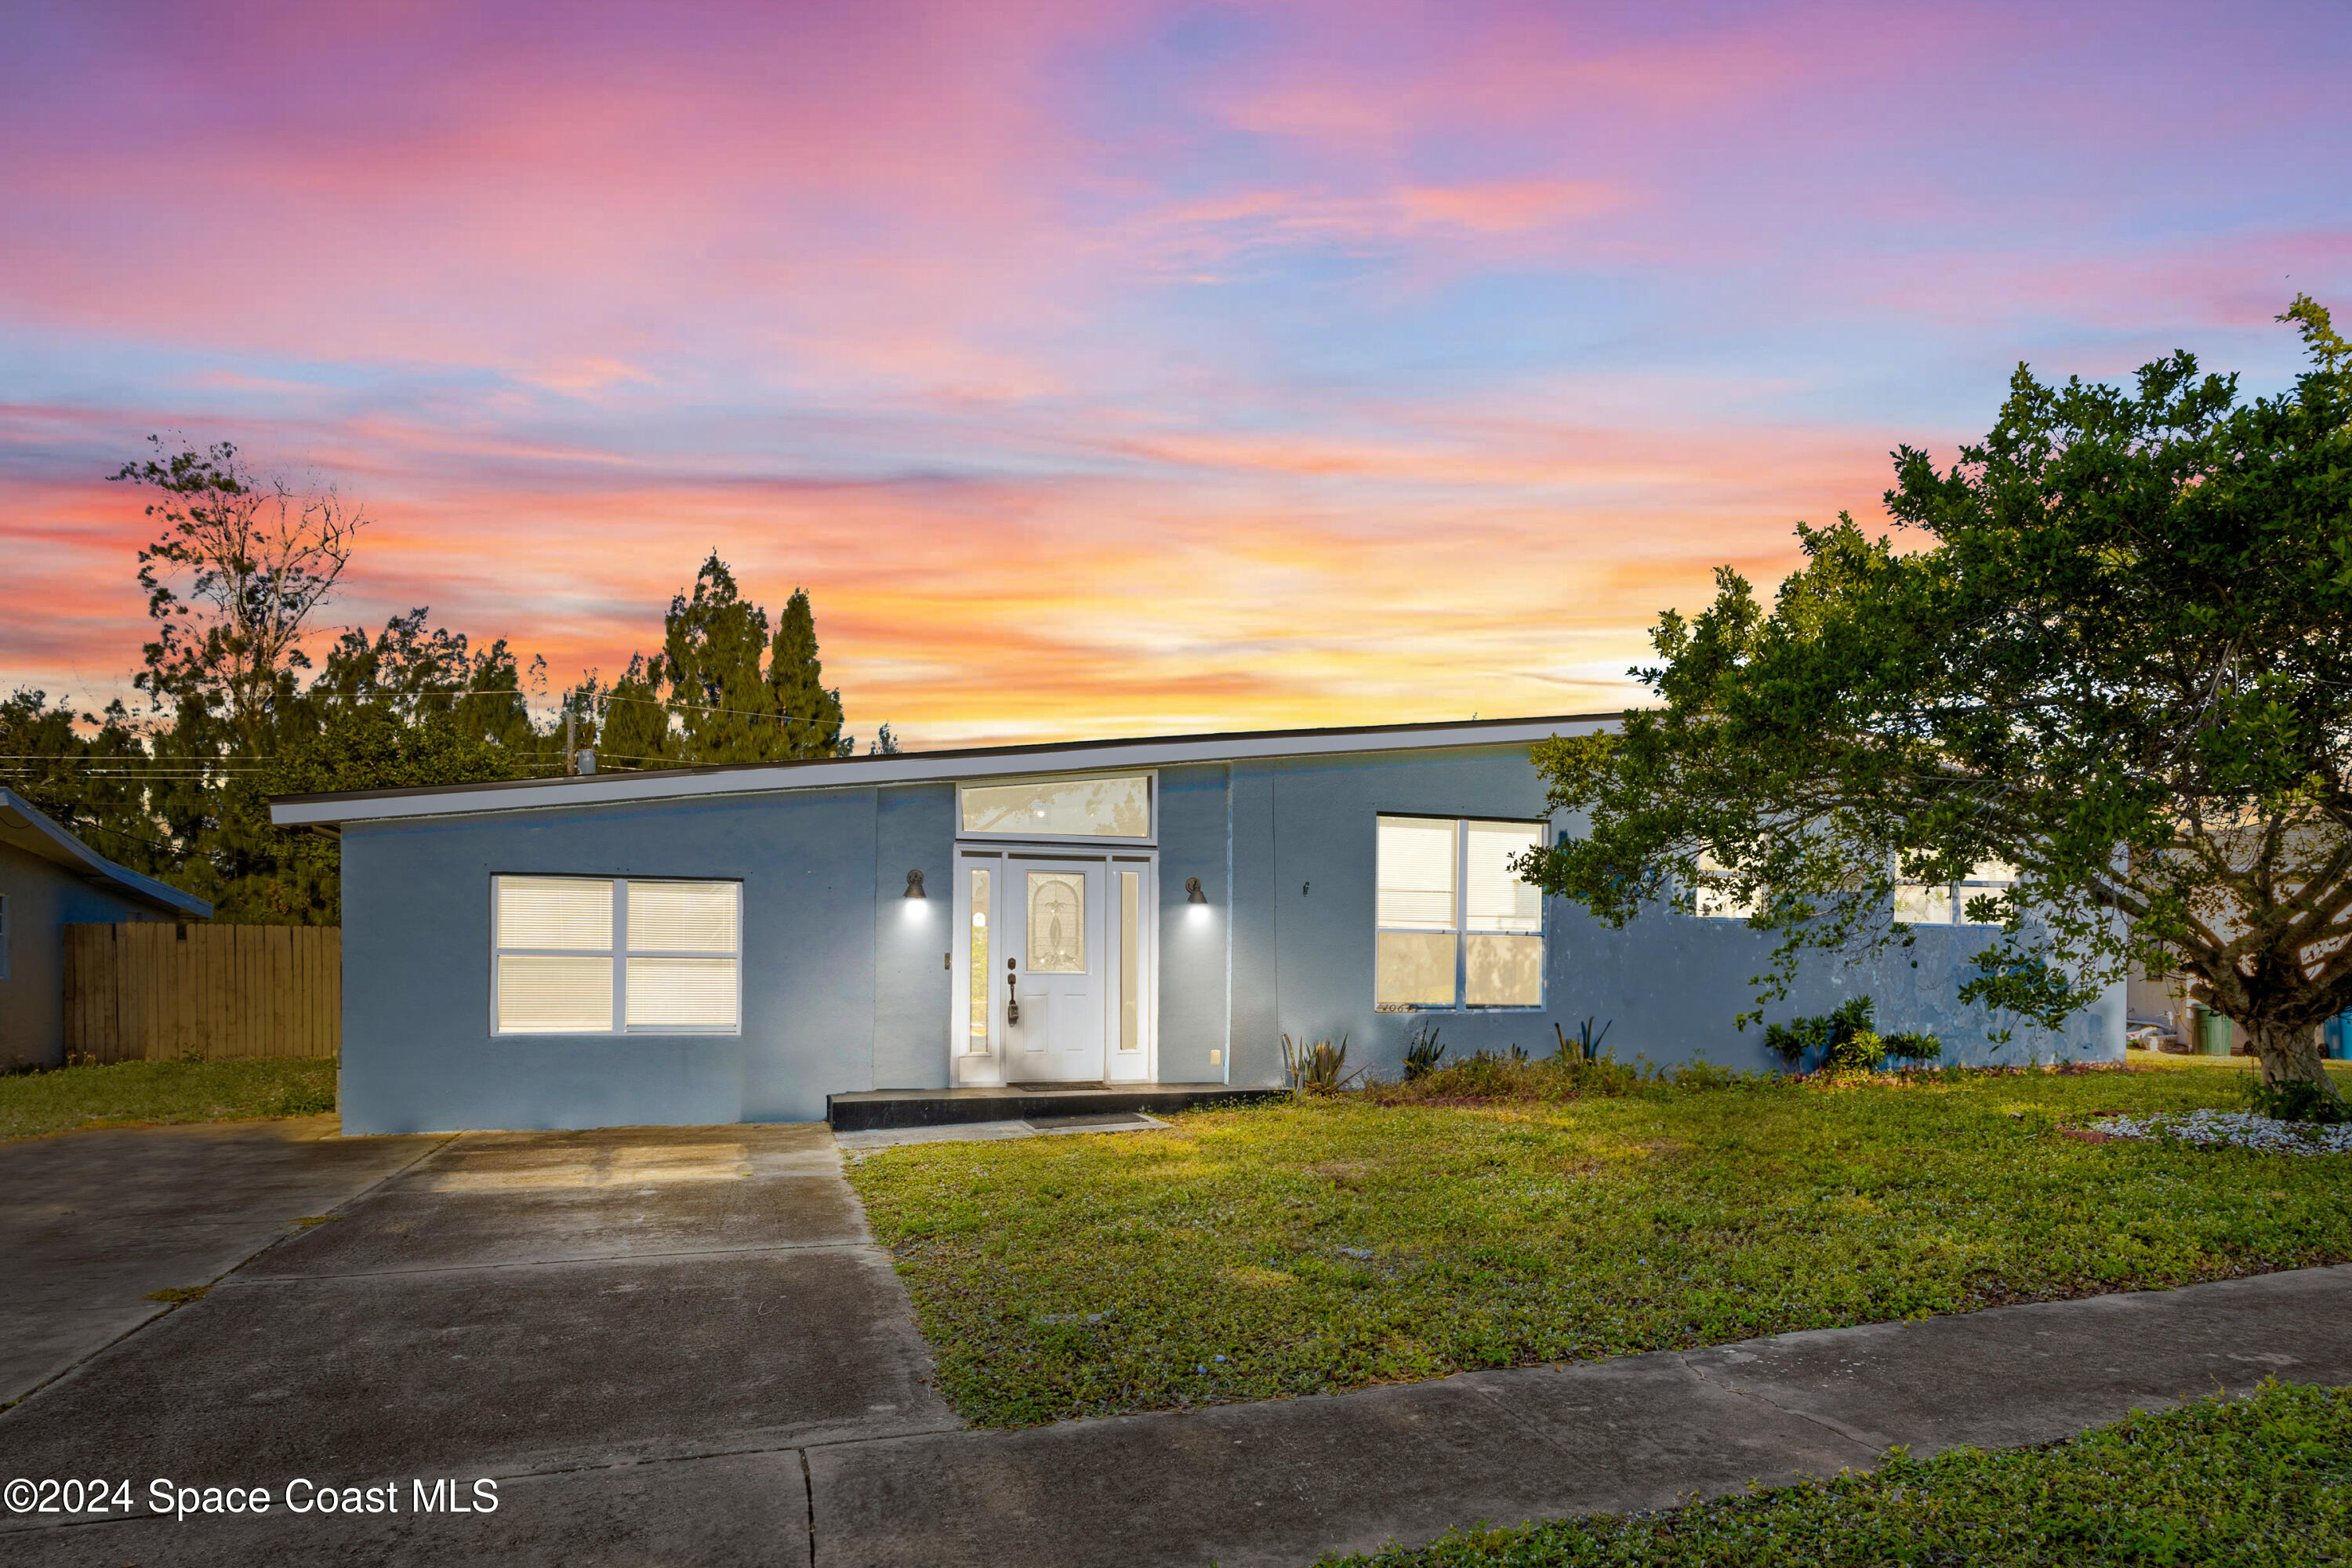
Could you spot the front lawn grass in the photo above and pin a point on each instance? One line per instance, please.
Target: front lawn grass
(58, 1098)
(2266, 1479)
(1286, 1249)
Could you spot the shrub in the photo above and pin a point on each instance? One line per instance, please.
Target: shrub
(1914, 1047)
(1510, 1074)
(1586, 1047)
(1318, 1069)
(1703, 1073)
(1825, 1035)
(1844, 1041)
(2297, 1099)
(1421, 1051)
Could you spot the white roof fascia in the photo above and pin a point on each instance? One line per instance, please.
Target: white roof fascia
(624, 789)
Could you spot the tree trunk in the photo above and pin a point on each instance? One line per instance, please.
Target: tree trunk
(2289, 1053)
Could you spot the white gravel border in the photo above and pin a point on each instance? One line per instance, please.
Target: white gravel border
(2232, 1130)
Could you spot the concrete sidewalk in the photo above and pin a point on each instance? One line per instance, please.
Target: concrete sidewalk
(1282, 1482)
(681, 1345)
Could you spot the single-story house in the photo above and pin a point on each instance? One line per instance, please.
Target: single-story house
(50, 880)
(740, 942)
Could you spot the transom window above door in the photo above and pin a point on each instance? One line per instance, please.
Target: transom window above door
(1117, 806)
(1453, 925)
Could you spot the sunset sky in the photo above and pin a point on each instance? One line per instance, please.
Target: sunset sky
(1105, 368)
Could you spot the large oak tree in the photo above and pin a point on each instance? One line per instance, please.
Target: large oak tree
(2112, 654)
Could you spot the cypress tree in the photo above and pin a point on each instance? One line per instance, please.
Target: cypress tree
(797, 684)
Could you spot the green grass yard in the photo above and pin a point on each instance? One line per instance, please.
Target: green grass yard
(1289, 1249)
(118, 1094)
(2260, 1481)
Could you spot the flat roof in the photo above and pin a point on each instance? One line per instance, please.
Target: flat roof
(909, 767)
(24, 826)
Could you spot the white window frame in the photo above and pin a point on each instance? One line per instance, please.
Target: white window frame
(1714, 904)
(620, 953)
(985, 1068)
(1461, 932)
(1973, 886)
(1151, 777)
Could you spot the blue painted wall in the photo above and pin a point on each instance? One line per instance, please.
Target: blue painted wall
(418, 1053)
(914, 831)
(1196, 941)
(843, 986)
(1304, 839)
(44, 898)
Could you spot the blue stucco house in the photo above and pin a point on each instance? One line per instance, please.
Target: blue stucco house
(742, 943)
(50, 880)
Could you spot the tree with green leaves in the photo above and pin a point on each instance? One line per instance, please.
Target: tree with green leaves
(232, 581)
(720, 690)
(2117, 660)
(89, 773)
(796, 680)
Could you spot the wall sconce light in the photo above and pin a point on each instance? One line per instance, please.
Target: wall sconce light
(1192, 894)
(915, 886)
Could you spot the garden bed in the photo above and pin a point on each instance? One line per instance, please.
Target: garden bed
(2232, 1130)
(1289, 1249)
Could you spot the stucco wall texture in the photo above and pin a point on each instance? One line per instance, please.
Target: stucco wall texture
(843, 986)
(45, 898)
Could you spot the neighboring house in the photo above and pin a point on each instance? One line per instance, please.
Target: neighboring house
(49, 880)
(736, 943)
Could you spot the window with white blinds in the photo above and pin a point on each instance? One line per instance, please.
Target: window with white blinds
(1453, 925)
(596, 955)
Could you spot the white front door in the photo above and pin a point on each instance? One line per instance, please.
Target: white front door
(1055, 951)
(1066, 942)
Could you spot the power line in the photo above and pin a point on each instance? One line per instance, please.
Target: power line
(662, 702)
(173, 850)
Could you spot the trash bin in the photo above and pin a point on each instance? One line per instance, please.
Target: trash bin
(2336, 1036)
(2213, 1034)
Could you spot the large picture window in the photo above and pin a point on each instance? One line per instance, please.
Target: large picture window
(1452, 926)
(597, 955)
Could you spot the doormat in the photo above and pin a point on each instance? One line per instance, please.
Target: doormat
(1050, 1088)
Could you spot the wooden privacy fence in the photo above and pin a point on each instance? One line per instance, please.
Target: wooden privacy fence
(158, 991)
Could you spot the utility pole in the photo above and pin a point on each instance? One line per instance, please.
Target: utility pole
(571, 755)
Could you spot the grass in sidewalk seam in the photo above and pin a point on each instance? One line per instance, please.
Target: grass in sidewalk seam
(1281, 1249)
(2265, 1479)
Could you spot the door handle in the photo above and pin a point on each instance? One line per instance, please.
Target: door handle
(1012, 999)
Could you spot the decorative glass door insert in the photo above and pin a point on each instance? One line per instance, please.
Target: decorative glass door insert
(1057, 922)
(976, 966)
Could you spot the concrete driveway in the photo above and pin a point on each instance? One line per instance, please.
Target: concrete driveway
(660, 1345)
(633, 1333)
(92, 1221)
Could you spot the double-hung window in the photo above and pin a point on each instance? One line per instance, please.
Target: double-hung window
(1715, 904)
(1454, 927)
(600, 955)
(1946, 903)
